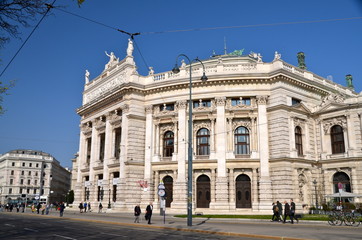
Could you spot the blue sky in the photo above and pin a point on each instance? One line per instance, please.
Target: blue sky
(49, 71)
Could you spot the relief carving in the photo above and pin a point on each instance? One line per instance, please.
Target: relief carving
(327, 124)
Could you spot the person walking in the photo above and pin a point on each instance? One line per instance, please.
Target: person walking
(287, 212)
(61, 209)
(89, 207)
(149, 209)
(137, 213)
(100, 207)
(85, 207)
(280, 212)
(80, 207)
(275, 212)
(292, 210)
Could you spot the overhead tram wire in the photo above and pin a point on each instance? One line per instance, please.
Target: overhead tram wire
(252, 25)
(26, 40)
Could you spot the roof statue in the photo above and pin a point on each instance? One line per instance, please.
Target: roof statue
(151, 71)
(277, 56)
(301, 60)
(112, 60)
(349, 81)
(130, 48)
(237, 53)
(256, 56)
(86, 75)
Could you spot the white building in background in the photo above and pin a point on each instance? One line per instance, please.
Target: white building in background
(262, 131)
(32, 174)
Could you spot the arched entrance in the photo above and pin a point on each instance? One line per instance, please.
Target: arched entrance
(341, 177)
(203, 192)
(243, 191)
(168, 182)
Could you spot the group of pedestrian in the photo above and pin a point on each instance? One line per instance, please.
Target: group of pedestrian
(148, 215)
(83, 207)
(289, 211)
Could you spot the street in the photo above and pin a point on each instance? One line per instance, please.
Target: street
(120, 226)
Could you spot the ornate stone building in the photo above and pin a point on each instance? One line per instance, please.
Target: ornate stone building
(262, 131)
(29, 174)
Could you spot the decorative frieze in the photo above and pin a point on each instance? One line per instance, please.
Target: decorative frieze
(149, 109)
(115, 117)
(220, 101)
(167, 127)
(100, 123)
(86, 128)
(261, 100)
(201, 124)
(181, 104)
(241, 122)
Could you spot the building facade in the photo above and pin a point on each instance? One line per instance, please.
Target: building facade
(29, 174)
(261, 132)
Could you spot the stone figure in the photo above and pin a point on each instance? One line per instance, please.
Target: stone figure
(87, 74)
(130, 47)
(259, 58)
(151, 71)
(183, 64)
(277, 56)
(112, 60)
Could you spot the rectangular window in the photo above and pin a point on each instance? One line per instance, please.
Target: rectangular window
(29, 173)
(241, 101)
(23, 164)
(36, 182)
(11, 181)
(12, 172)
(21, 190)
(102, 143)
(202, 103)
(28, 181)
(28, 190)
(89, 148)
(30, 164)
(37, 165)
(22, 173)
(10, 190)
(117, 142)
(21, 181)
(36, 174)
(13, 164)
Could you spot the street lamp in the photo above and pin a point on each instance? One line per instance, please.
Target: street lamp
(189, 162)
(315, 192)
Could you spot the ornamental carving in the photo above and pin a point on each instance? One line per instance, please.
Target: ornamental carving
(166, 127)
(125, 108)
(104, 88)
(242, 123)
(181, 104)
(327, 124)
(332, 98)
(201, 124)
(299, 122)
(86, 128)
(220, 101)
(115, 117)
(148, 109)
(100, 123)
(202, 108)
(261, 100)
(240, 106)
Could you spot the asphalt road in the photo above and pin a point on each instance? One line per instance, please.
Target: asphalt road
(24, 226)
(120, 226)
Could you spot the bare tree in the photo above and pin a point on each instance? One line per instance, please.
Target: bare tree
(16, 13)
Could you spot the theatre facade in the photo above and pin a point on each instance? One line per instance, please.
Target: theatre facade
(261, 132)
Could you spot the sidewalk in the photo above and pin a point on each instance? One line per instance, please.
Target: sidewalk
(252, 228)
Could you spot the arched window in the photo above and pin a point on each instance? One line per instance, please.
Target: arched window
(242, 141)
(168, 143)
(298, 140)
(337, 139)
(203, 145)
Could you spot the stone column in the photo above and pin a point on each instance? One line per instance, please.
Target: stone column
(155, 192)
(213, 184)
(232, 204)
(180, 184)
(156, 157)
(265, 190)
(212, 138)
(81, 160)
(147, 196)
(121, 186)
(93, 159)
(292, 149)
(255, 190)
(254, 138)
(222, 180)
(351, 135)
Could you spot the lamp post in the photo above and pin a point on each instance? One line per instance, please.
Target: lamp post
(315, 192)
(189, 162)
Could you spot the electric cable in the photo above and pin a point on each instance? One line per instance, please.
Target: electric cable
(26, 40)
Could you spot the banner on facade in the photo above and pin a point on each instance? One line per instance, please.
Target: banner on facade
(87, 184)
(115, 181)
(100, 182)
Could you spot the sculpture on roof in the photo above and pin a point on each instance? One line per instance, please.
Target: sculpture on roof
(151, 71)
(257, 56)
(130, 47)
(301, 60)
(86, 75)
(237, 53)
(277, 56)
(112, 60)
(349, 81)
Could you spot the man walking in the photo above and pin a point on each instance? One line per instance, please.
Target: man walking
(292, 210)
(280, 212)
(287, 211)
(149, 209)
